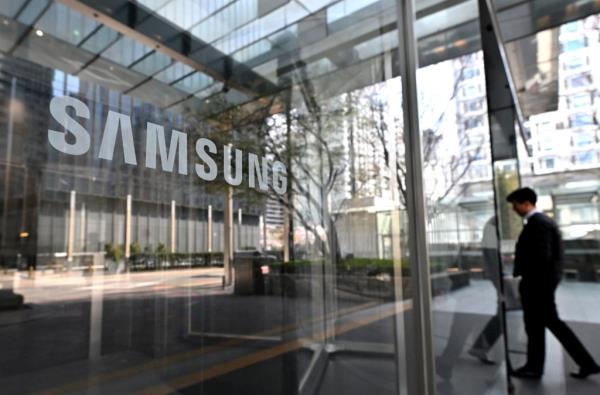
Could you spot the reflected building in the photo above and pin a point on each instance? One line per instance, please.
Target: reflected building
(44, 214)
(567, 139)
(25, 87)
(565, 143)
(157, 252)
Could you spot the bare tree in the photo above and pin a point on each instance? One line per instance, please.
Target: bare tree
(307, 138)
(453, 168)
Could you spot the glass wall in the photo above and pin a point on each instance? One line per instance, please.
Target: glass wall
(462, 227)
(223, 196)
(464, 265)
(560, 161)
(202, 197)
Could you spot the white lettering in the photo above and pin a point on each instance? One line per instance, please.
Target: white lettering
(58, 109)
(201, 145)
(155, 135)
(237, 179)
(114, 122)
(255, 172)
(279, 177)
(206, 169)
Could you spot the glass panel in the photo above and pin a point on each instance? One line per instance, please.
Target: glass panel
(233, 16)
(32, 11)
(100, 40)
(462, 227)
(559, 160)
(163, 231)
(125, 51)
(152, 64)
(66, 24)
(173, 72)
(9, 8)
(194, 82)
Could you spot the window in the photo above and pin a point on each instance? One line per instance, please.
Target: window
(581, 119)
(549, 163)
(479, 155)
(470, 73)
(473, 122)
(479, 171)
(474, 105)
(575, 62)
(472, 91)
(582, 139)
(571, 27)
(584, 158)
(546, 143)
(546, 125)
(573, 45)
(576, 213)
(579, 81)
(581, 100)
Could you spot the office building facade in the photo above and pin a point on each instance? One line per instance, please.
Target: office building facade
(286, 196)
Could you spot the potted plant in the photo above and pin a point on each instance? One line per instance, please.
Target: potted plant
(114, 258)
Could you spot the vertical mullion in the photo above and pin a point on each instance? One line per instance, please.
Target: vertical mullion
(422, 371)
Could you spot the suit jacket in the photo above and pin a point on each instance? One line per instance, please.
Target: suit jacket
(539, 253)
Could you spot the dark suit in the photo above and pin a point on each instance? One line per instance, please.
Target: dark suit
(539, 261)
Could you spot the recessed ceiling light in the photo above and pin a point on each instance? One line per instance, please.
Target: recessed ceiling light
(39, 33)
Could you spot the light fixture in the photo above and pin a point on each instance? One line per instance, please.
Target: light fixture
(39, 33)
(24, 235)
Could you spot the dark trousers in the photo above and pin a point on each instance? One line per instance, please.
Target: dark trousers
(493, 329)
(539, 313)
(490, 333)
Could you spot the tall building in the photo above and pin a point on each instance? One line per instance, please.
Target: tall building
(471, 119)
(569, 138)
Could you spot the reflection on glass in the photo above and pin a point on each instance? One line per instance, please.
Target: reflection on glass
(463, 242)
(166, 231)
(563, 167)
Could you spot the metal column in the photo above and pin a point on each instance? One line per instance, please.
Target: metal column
(504, 120)
(420, 336)
(128, 227)
(71, 227)
(173, 237)
(228, 236)
(209, 230)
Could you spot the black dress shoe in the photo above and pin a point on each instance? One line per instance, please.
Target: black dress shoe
(584, 372)
(525, 372)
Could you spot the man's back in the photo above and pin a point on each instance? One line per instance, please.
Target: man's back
(539, 253)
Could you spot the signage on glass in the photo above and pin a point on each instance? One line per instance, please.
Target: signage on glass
(260, 170)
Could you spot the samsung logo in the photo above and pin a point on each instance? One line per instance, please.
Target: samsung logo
(261, 171)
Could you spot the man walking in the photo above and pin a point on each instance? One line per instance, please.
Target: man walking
(538, 261)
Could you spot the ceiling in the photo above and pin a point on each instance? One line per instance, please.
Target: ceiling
(199, 53)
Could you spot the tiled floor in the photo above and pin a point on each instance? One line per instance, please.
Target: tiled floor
(578, 304)
(459, 317)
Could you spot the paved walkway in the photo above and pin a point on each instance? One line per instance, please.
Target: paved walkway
(578, 304)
